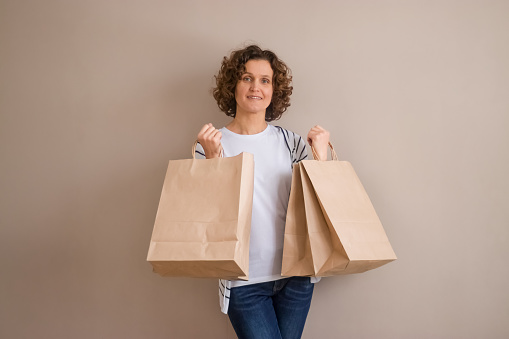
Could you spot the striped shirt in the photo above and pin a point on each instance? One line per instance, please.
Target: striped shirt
(275, 152)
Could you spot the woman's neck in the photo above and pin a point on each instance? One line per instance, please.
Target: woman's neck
(248, 124)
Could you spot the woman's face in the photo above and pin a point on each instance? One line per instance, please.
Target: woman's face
(253, 92)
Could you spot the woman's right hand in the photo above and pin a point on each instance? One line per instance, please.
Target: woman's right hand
(210, 139)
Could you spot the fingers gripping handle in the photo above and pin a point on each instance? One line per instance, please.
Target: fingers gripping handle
(333, 154)
(193, 150)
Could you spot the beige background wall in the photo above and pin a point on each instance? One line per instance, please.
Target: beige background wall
(97, 96)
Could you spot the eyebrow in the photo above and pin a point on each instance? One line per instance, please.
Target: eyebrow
(266, 76)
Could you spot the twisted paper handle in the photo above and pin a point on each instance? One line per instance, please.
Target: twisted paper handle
(221, 155)
(333, 154)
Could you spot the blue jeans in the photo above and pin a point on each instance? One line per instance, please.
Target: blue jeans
(270, 310)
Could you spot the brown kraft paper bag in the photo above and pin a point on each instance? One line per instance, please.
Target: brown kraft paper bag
(203, 222)
(331, 226)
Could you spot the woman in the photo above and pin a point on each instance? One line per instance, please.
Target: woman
(254, 87)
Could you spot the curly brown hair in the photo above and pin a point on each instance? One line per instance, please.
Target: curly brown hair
(234, 67)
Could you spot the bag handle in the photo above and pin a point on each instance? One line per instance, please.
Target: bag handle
(221, 155)
(333, 154)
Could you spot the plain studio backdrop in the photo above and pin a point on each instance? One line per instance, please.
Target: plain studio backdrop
(96, 96)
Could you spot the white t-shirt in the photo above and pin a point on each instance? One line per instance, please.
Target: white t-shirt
(275, 150)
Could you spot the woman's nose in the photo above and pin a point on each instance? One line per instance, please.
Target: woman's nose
(254, 85)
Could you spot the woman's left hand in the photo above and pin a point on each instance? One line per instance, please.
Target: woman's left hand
(318, 138)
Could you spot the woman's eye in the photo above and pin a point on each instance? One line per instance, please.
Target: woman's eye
(265, 81)
(247, 78)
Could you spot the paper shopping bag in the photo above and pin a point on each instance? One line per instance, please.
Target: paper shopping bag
(297, 258)
(334, 217)
(309, 245)
(203, 222)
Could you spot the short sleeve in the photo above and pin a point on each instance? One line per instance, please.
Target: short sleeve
(299, 152)
(199, 153)
(295, 144)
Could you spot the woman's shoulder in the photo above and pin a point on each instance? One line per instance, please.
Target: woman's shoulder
(294, 142)
(287, 134)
